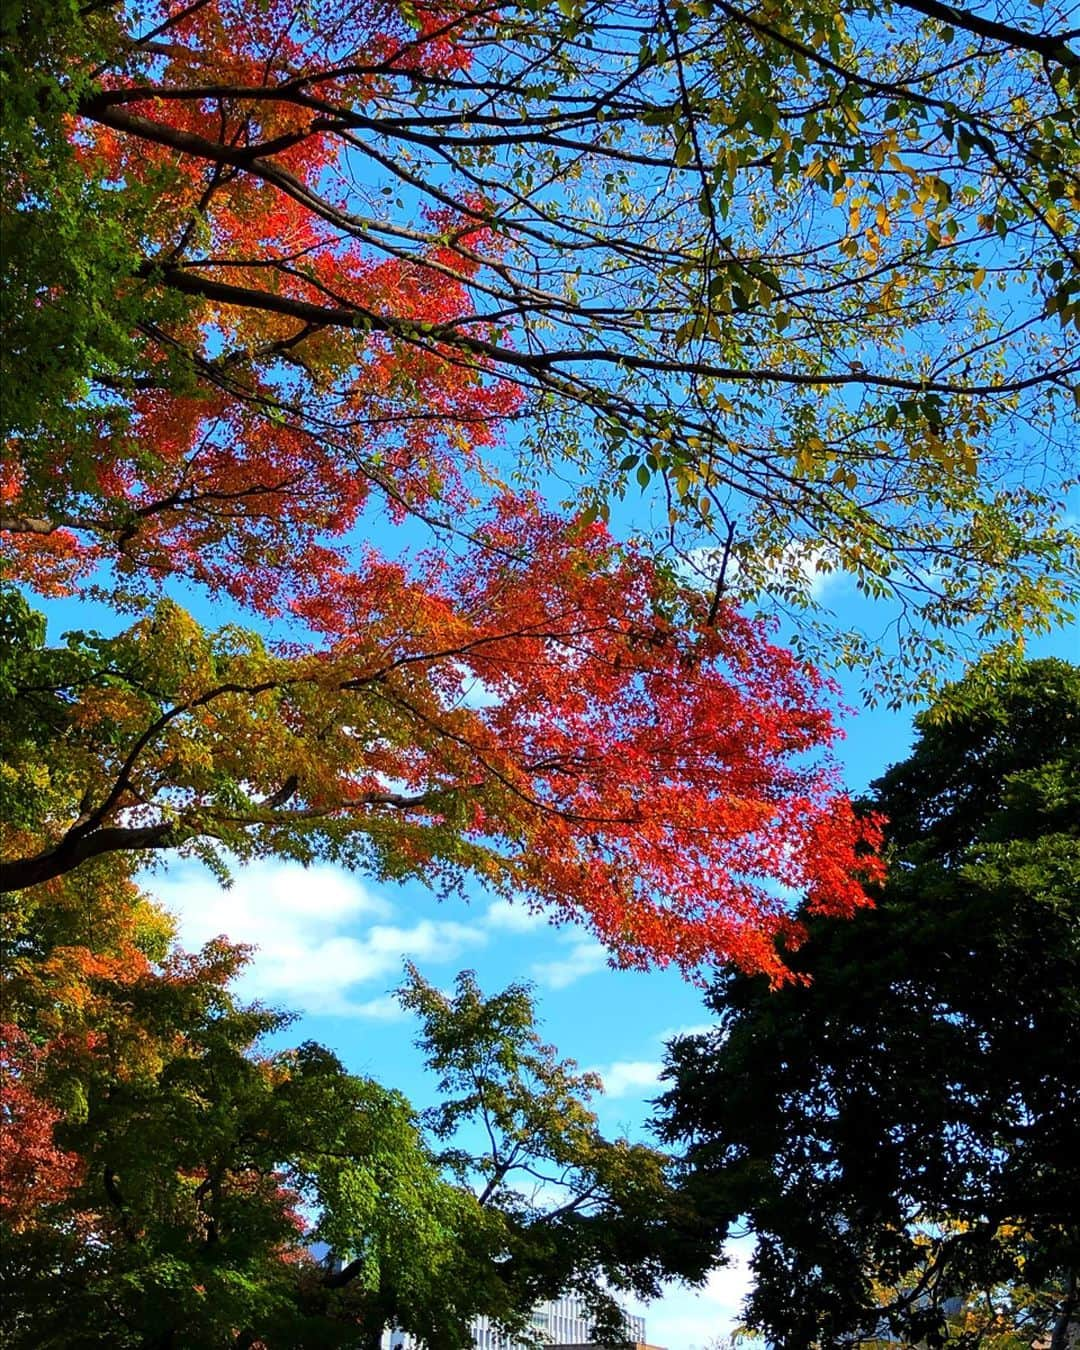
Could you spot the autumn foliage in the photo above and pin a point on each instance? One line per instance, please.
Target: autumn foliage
(283, 275)
(525, 699)
(226, 396)
(34, 1172)
(132, 1168)
(555, 714)
(179, 1174)
(318, 307)
(243, 470)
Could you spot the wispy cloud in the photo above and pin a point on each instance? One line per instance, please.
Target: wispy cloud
(630, 1077)
(385, 1008)
(506, 916)
(319, 933)
(584, 957)
(801, 561)
(691, 1029)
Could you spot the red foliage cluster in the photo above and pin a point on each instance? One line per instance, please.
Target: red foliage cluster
(253, 441)
(34, 1172)
(645, 766)
(655, 765)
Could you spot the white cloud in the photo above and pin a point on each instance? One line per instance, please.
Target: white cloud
(692, 1029)
(800, 561)
(630, 1077)
(584, 958)
(385, 1008)
(508, 916)
(691, 1318)
(313, 929)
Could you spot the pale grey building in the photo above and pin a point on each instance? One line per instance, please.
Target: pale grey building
(560, 1322)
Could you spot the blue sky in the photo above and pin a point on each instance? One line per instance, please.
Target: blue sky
(331, 946)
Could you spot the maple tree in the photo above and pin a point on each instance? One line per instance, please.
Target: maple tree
(34, 1173)
(813, 270)
(643, 774)
(195, 1149)
(900, 1130)
(525, 700)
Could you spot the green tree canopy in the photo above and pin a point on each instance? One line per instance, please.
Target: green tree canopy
(168, 1168)
(580, 1212)
(810, 271)
(901, 1130)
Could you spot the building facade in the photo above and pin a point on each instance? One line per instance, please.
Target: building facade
(559, 1322)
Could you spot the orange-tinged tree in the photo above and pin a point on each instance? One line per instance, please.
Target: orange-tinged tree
(527, 701)
(34, 1173)
(227, 443)
(629, 765)
(169, 1169)
(813, 271)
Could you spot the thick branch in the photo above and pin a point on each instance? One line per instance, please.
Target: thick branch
(17, 524)
(26, 872)
(539, 363)
(1050, 46)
